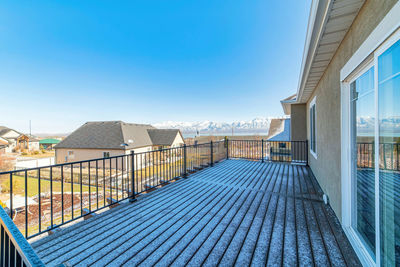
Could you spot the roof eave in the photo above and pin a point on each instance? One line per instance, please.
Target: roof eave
(318, 17)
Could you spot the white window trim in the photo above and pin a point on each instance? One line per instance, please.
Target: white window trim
(313, 102)
(381, 38)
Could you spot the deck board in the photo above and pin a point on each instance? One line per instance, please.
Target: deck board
(236, 213)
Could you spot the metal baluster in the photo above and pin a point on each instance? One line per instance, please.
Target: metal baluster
(132, 199)
(40, 202)
(80, 186)
(11, 195)
(97, 184)
(62, 193)
(26, 204)
(72, 191)
(51, 196)
(90, 187)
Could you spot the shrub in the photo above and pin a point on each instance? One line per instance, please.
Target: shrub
(24, 153)
(43, 151)
(36, 152)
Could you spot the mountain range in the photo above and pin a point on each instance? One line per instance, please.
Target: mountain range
(256, 125)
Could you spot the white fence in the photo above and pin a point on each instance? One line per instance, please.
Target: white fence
(33, 163)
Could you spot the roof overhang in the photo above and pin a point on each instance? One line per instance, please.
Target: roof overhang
(286, 104)
(328, 24)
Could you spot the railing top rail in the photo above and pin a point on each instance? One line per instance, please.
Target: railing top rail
(25, 250)
(72, 163)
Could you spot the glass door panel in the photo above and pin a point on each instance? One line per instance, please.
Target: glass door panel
(362, 96)
(389, 144)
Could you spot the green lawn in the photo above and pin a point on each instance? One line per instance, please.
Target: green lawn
(33, 186)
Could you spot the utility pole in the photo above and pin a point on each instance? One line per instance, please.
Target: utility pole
(30, 128)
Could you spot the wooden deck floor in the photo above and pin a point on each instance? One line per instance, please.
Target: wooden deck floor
(235, 213)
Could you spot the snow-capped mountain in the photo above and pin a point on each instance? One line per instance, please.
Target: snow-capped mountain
(256, 125)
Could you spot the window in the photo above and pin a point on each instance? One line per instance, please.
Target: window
(70, 155)
(313, 144)
(106, 154)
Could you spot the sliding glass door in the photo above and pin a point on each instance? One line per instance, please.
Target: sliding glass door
(375, 155)
(362, 97)
(389, 135)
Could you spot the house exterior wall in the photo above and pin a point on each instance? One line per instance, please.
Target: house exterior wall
(327, 166)
(83, 154)
(34, 145)
(178, 141)
(298, 121)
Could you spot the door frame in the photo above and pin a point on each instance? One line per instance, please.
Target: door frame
(381, 38)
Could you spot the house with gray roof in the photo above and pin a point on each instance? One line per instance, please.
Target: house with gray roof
(15, 139)
(111, 138)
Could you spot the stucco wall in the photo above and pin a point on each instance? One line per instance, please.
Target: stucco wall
(85, 154)
(298, 121)
(178, 141)
(327, 165)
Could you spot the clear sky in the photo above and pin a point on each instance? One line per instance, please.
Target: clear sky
(63, 63)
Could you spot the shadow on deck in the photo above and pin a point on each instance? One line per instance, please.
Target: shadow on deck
(236, 213)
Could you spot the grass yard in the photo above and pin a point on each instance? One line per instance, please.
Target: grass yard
(33, 186)
(40, 155)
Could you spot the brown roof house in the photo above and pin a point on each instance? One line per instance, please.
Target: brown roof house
(16, 140)
(111, 138)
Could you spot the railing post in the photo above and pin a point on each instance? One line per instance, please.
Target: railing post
(211, 153)
(262, 150)
(132, 199)
(306, 152)
(227, 148)
(184, 161)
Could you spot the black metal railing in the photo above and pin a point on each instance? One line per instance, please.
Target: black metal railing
(14, 248)
(264, 150)
(45, 198)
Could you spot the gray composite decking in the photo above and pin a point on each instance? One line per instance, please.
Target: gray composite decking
(236, 213)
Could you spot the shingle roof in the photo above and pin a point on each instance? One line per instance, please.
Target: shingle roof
(163, 137)
(279, 130)
(114, 134)
(4, 130)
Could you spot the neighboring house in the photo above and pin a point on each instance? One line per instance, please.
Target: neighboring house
(3, 145)
(16, 140)
(279, 135)
(279, 130)
(348, 106)
(48, 143)
(111, 138)
(33, 143)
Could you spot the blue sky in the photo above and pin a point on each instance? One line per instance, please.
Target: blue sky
(63, 63)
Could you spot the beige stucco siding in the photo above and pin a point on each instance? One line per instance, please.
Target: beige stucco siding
(298, 122)
(178, 141)
(327, 166)
(80, 154)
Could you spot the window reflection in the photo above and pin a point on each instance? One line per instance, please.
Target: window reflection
(389, 144)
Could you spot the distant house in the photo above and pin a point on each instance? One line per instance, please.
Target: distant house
(48, 143)
(3, 145)
(279, 134)
(33, 142)
(111, 138)
(279, 130)
(15, 139)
